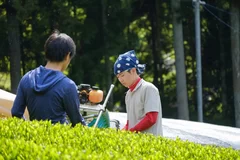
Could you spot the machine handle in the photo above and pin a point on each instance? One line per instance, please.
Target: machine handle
(108, 95)
(104, 105)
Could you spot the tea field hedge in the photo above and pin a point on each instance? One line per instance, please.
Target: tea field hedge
(40, 140)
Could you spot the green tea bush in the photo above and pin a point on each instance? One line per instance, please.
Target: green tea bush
(40, 140)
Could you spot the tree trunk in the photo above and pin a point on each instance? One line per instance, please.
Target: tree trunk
(14, 46)
(235, 58)
(182, 98)
(108, 78)
(155, 42)
(223, 68)
(159, 47)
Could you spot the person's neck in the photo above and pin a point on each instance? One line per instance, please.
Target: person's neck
(57, 66)
(135, 82)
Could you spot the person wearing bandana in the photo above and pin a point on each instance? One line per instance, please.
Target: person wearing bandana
(143, 103)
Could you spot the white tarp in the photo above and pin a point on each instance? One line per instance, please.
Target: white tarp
(202, 133)
(6, 102)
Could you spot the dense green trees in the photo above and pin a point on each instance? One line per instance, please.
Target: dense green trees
(161, 33)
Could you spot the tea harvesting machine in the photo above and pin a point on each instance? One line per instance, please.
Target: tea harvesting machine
(95, 113)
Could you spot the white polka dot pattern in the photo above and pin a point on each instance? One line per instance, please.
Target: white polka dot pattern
(127, 61)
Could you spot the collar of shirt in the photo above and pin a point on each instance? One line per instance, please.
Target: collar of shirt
(132, 87)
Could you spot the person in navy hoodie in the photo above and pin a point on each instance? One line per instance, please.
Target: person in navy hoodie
(47, 93)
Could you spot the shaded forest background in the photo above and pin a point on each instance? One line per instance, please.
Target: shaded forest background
(162, 32)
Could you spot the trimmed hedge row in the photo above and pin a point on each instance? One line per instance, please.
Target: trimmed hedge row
(41, 140)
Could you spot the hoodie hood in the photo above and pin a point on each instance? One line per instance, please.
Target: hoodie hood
(43, 79)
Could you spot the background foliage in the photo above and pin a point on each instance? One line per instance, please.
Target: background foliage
(104, 29)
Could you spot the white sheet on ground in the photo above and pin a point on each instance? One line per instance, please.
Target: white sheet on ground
(202, 133)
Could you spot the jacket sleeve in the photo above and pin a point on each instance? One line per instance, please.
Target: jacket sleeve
(19, 104)
(149, 120)
(72, 106)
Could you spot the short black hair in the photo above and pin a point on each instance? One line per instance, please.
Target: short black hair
(58, 45)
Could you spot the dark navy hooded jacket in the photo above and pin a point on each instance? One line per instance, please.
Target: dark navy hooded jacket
(48, 95)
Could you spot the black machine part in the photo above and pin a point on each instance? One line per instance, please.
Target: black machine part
(83, 91)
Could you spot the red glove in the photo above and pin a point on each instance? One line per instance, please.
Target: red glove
(126, 126)
(149, 120)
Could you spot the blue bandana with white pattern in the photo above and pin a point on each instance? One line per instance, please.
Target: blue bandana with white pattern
(128, 61)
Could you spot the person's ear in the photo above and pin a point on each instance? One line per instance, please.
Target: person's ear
(133, 70)
(68, 56)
